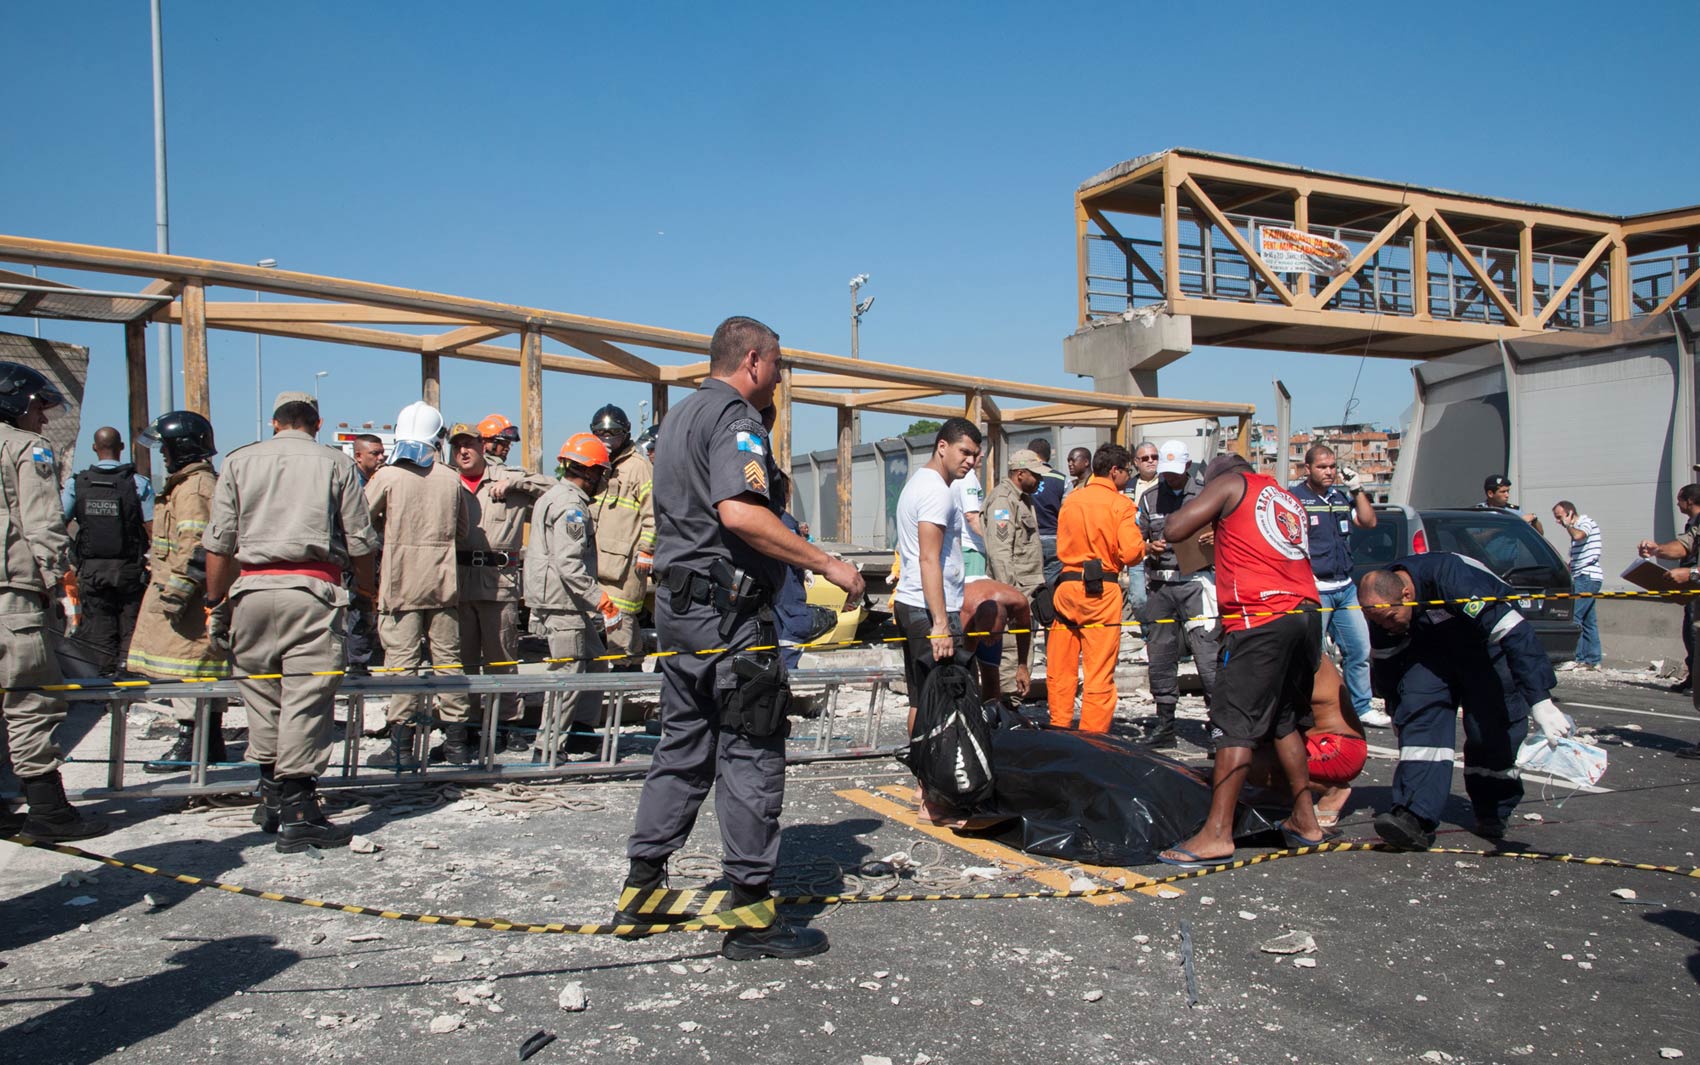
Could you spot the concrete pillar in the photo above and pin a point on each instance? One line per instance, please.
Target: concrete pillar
(1123, 356)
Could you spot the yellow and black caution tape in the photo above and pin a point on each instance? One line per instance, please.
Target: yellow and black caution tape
(816, 646)
(702, 907)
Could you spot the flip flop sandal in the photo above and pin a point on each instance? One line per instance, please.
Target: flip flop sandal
(1192, 861)
(1294, 841)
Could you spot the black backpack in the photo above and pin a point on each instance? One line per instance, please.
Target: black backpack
(950, 747)
(110, 538)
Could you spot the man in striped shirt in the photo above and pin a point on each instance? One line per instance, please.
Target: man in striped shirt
(1586, 578)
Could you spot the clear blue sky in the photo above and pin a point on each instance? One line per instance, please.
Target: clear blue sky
(675, 163)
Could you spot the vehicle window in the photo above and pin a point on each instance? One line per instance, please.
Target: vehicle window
(1510, 548)
(1373, 548)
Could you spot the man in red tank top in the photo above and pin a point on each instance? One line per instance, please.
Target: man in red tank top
(1272, 640)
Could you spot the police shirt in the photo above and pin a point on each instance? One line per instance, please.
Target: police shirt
(1461, 603)
(715, 449)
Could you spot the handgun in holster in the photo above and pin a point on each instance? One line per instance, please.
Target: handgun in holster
(737, 594)
(758, 705)
(1092, 575)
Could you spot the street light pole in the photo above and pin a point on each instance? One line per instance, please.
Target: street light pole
(166, 392)
(857, 309)
(321, 373)
(259, 391)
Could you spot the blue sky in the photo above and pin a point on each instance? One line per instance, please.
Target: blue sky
(672, 164)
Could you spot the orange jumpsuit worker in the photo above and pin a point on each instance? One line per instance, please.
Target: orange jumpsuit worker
(1097, 537)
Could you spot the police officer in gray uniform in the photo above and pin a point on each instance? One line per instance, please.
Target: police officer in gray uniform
(33, 548)
(721, 554)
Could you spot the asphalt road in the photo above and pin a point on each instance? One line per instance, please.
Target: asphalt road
(1460, 958)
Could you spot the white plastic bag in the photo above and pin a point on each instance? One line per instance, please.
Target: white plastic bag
(1568, 759)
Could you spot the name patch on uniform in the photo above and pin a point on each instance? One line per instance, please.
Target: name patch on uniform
(751, 442)
(1473, 608)
(755, 476)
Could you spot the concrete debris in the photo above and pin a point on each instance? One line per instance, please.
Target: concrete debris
(1247, 915)
(444, 1023)
(151, 900)
(1082, 883)
(315, 939)
(701, 967)
(677, 970)
(75, 878)
(828, 1027)
(333, 1020)
(922, 1059)
(447, 959)
(362, 845)
(1623, 893)
(1438, 1057)
(865, 985)
(1168, 893)
(873, 1059)
(882, 974)
(573, 999)
(366, 937)
(750, 994)
(82, 900)
(1523, 1051)
(688, 1026)
(1669, 1052)
(1207, 900)
(1093, 996)
(1294, 942)
(471, 996)
(982, 872)
(1304, 963)
(1533, 817)
(431, 845)
(1142, 938)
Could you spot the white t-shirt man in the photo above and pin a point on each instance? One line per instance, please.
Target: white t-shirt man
(970, 497)
(928, 498)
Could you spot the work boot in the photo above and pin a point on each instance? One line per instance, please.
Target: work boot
(270, 811)
(302, 820)
(1686, 684)
(1405, 830)
(645, 875)
(1490, 827)
(457, 747)
(10, 820)
(398, 756)
(52, 818)
(1159, 732)
(513, 738)
(781, 939)
(177, 757)
(1688, 752)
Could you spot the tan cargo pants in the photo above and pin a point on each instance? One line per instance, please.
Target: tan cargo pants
(489, 632)
(295, 632)
(26, 660)
(572, 637)
(406, 634)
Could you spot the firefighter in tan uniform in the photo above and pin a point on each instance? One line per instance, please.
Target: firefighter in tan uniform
(624, 516)
(500, 435)
(418, 506)
(490, 560)
(567, 604)
(287, 519)
(170, 642)
(1014, 554)
(33, 560)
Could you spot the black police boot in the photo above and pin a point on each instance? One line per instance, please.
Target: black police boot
(216, 752)
(52, 818)
(398, 756)
(642, 877)
(302, 820)
(513, 738)
(1405, 830)
(176, 759)
(781, 939)
(1160, 731)
(10, 820)
(270, 811)
(1490, 827)
(457, 747)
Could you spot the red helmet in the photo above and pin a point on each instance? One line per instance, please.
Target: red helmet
(497, 427)
(583, 449)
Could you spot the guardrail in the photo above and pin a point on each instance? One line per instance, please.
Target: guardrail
(814, 744)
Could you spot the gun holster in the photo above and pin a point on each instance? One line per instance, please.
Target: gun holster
(757, 703)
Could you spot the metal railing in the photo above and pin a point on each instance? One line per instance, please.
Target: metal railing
(1652, 278)
(1211, 267)
(816, 743)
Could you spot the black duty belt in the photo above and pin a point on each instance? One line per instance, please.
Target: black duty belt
(491, 559)
(696, 587)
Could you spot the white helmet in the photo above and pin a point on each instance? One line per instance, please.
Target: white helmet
(418, 430)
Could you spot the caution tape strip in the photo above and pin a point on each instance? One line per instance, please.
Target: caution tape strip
(816, 645)
(682, 904)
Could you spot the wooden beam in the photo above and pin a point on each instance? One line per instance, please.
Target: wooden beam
(197, 393)
(1301, 222)
(1124, 429)
(1419, 270)
(971, 407)
(1525, 274)
(431, 380)
(685, 375)
(609, 353)
(782, 419)
(136, 380)
(1082, 265)
(846, 441)
(991, 453)
(863, 400)
(1379, 241)
(1171, 235)
(1562, 292)
(1242, 440)
(26, 306)
(658, 400)
(459, 338)
(1618, 294)
(222, 311)
(1677, 293)
(1476, 270)
(1208, 206)
(531, 400)
(13, 277)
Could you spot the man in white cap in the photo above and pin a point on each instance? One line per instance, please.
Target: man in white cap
(418, 506)
(1180, 600)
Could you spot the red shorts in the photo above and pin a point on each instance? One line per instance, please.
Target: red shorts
(1335, 759)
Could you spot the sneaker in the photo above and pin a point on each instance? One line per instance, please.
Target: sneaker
(1571, 665)
(1404, 830)
(1376, 718)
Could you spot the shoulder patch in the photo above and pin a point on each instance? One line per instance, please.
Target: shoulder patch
(755, 476)
(575, 515)
(42, 456)
(747, 425)
(751, 442)
(1473, 608)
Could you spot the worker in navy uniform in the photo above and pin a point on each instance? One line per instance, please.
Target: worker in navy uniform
(1444, 634)
(721, 555)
